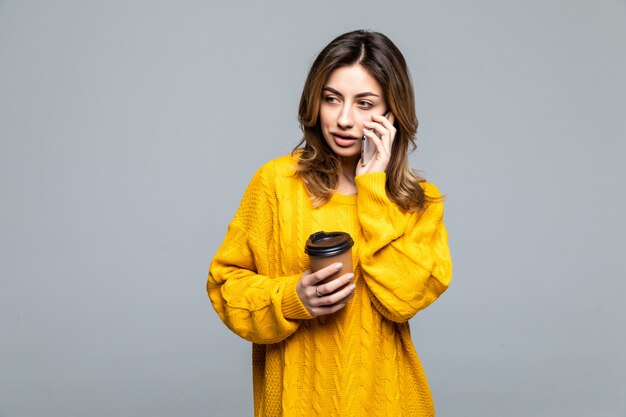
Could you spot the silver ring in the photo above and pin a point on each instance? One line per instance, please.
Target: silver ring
(318, 291)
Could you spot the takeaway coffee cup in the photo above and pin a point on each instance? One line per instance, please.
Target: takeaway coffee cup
(327, 248)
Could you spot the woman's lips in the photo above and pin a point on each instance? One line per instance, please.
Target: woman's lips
(344, 141)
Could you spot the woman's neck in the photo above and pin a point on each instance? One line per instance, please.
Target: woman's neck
(346, 184)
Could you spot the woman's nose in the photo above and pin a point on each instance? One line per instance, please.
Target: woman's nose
(346, 119)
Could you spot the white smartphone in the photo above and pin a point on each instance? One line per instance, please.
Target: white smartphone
(368, 148)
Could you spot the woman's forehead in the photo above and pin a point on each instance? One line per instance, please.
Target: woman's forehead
(353, 80)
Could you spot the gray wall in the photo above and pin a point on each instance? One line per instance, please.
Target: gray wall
(129, 130)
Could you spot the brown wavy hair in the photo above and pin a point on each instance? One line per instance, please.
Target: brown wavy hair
(318, 166)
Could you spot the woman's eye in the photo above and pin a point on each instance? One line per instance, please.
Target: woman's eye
(330, 99)
(365, 104)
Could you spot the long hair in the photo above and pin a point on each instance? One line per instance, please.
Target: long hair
(318, 166)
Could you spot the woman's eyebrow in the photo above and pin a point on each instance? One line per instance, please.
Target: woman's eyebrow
(365, 94)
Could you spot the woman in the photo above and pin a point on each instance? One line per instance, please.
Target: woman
(314, 353)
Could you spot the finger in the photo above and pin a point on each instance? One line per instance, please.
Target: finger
(321, 311)
(335, 284)
(323, 273)
(385, 121)
(373, 136)
(382, 149)
(379, 129)
(383, 126)
(385, 132)
(337, 297)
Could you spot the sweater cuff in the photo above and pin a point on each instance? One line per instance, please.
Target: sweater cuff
(372, 194)
(291, 304)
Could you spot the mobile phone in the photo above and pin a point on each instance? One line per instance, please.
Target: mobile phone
(367, 147)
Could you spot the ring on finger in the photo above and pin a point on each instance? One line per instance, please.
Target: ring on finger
(317, 291)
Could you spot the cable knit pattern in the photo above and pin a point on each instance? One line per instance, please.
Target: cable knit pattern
(359, 361)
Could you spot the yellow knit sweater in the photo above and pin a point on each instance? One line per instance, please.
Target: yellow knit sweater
(359, 361)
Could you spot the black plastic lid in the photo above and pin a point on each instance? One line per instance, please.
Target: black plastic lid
(328, 244)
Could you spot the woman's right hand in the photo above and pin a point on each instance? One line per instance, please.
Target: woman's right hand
(320, 299)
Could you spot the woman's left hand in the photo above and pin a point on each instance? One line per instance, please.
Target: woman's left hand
(381, 133)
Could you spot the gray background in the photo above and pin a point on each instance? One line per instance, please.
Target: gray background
(129, 130)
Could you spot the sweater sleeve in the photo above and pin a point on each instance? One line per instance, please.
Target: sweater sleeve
(405, 259)
(257, 307)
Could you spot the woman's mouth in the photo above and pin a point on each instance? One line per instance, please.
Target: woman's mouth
(344, 140)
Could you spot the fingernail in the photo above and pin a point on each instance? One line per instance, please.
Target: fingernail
(350, 275)
(353, 286)
(338, 265)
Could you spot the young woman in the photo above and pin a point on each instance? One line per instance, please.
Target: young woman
(314, 353)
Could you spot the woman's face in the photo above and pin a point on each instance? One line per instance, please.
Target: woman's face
(350, 97)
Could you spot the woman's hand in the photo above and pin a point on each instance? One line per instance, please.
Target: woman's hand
(382, 133)
(320, 299)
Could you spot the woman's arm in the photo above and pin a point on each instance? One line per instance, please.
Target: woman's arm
(257, 307)
(405, 260)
